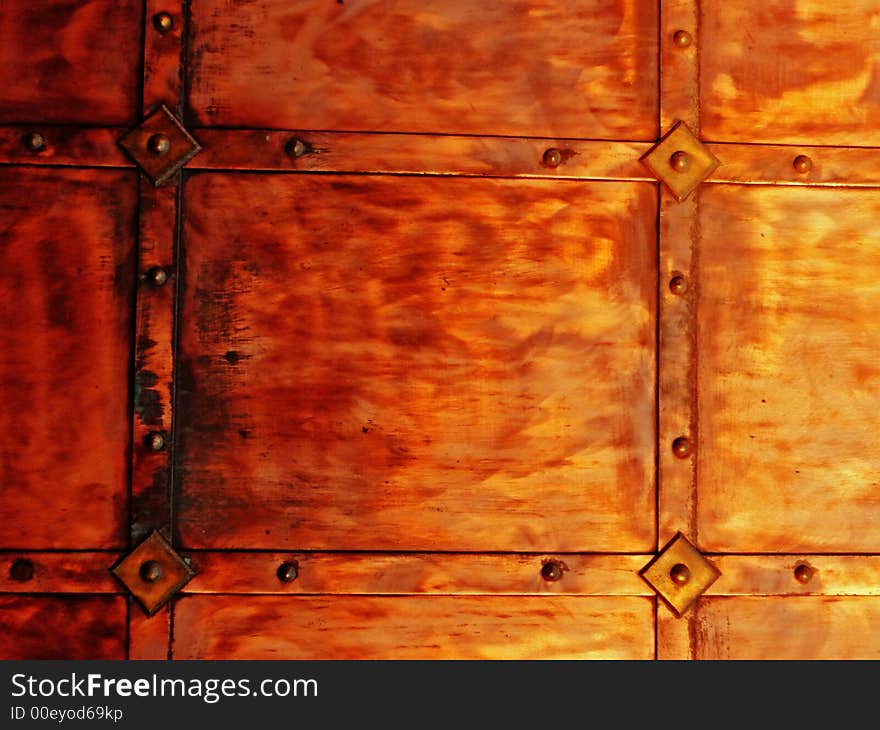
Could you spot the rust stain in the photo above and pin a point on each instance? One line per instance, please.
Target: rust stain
(58, 69)
(372, 408)
(789, 71)
(434, 67)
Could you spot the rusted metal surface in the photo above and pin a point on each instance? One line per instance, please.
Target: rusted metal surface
(236, 149)
(680, 46)
(417, 573)
(680, 574)
(794, 627)
(149, 636)
(162, 49)
(160, 145)
(585, 68)
(797, 75)
(788, 455)
(378, 381)
(793, 575)
(397, 360)
(258, 149)
(65, 145)
(153, 572)
(420, 627)
(680, 161)
(151, 487)
(70, 62)
(66, 276)
(677, 244)
(56, 572)
(775, 164)
(62, 627)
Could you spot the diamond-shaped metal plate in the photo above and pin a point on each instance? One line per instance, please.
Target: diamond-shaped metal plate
(160, 145)
(153, 572)
(695, 160)
(660, 574)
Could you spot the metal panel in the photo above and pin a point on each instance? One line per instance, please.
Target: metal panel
(790, 71)
(789, 370)
(423, 627)
(586, 68)
(417, 363)
(798, 627)
(67, 274)
(70, 62)
(62, 627)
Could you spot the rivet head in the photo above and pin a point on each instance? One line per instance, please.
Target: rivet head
(159, 145)
(803, 573)
(288, 572)
(551, 571)
(296, 147)
(157, 276)
(682, 38)
(151, 571)
(679, 161)
(802, 164)
(22, 570)
(681, 447)
(680, 574)
(552, 157)
(678, 285)
(34, 141)
(156, 441)
(163, 22)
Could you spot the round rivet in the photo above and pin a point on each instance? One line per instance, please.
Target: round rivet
(678, 285)
(803, 573)
(34, 141)
(296, 147)
(156, 441)
(163, 22)
(158, 276)
(159, 145)
(551, 570)
(288, 572)
(802, 164)
(151, 571)
(681, 447)
(682, 38)
(22, 570)
(553, 157)
(679, 161)
(680, 574)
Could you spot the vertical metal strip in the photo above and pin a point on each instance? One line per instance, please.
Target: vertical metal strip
(677, 418)
(155, 302)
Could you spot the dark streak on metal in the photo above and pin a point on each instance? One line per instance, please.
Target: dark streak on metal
(147, 400)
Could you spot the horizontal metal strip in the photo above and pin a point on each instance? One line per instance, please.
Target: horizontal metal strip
(364, 152)
(58, 572)
(414, 573)
(775, 165)
(419, 154)
(249, 572)
(775, 575)
(61, 145)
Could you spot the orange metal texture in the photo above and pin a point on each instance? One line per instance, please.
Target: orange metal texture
(790, 71)
(416, 573)
(420, 627)
(585, 68)
(70, 62)
(67, 262)
(62, 627)
(379, 380)
(789, 373)
(794, 627)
